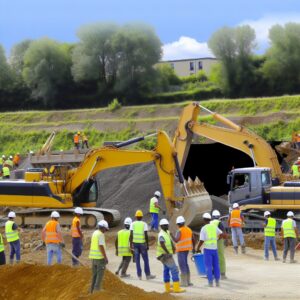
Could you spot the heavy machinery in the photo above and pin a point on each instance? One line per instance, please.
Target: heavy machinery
(63, 187)
(258, 188)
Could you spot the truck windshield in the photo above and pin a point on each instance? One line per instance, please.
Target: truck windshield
(265, 178)
(240, 180)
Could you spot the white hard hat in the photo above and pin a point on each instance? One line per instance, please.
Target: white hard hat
(157, 193)
(163, 222)
(267, 213)
(298, 158)
(3, 156)
(206, 216)
(235, 205)
(127, 221)
(10, 157)
(78, 210)
(55, 214)
(180, 219)
(216, 213)
(11, 214)
(103, 223)
(290, 214)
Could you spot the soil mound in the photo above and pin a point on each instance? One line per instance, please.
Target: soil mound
(31, 282)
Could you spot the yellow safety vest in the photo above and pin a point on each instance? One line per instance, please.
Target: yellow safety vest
(138, 232)
(168, 243)
(1, 161)
(215, 222)
(5, 171)
(288, 229)
(95, 252)
(152, 208)
(270, 228)
(11, 235)
(212, 238)
(1, 243)
(123, 243)
(9, 162)
(295, 169)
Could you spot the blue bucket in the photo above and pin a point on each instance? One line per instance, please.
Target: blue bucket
(198, 259)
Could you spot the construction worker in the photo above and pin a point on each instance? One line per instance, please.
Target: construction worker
(139, 243)
(235, 222)
(295, 170)
(209, 235)
(185, 242)
(98, 255)
(76, 140)
(164, 253)
(77, 236)
(5, 172)
(154, 210)
(2, 252)
(269, 231)
(216, 221)
(84, 142)
(16, 160)
(12, 237)
(289, 233)
(52, 237)
(122, 245)
(9, 163)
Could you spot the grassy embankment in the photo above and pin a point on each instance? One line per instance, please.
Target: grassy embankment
(24, 131)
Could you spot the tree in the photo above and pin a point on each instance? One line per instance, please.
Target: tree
(17, 55)
(6, 76)
(282, 65)
(166, 77)
(46, 69)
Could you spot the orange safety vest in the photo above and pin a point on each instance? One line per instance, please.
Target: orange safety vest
(185, 243)
(235, 218)
(16, 159)
(74, 231)
(51, 233)
(76, 138)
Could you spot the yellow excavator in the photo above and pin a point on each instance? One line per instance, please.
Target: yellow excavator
(62, 187)
(258, 188)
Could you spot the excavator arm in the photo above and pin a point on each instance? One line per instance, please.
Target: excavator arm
(232, 135)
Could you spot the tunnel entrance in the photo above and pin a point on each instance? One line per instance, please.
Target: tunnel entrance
(211, 163)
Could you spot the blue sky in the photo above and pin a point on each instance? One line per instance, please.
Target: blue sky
(184, 26)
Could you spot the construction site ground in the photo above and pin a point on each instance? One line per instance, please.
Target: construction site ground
(249, 276)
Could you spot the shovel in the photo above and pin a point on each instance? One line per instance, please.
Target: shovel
(73, 256)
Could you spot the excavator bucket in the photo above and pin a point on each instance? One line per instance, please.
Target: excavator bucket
(195, 203)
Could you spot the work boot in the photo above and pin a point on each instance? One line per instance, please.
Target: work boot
(283, 260)
(148, 277)
(244, 249)
(292, 261)
(236, 250)
(217, 283)
(168, 288)
(189, 279)
(266, 258)
(140, 277)
(210, 284)
(223, 276)
(11, 261)
(276, 258)
(184, 280)
(125, 275)
(177, 288)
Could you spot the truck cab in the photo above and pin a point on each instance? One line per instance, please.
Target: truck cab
(249, 186)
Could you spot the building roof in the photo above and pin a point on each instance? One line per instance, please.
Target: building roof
(188, 59)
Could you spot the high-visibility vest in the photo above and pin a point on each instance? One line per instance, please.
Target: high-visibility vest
(9, 162)
(76, 138)
(212, 238)
(288, 229)
(1, 161)
(123, 243)
(11, 235)
(16, 159)
(5, 171)
(215, 222)
(1, 243)
(138, 232)
(152, 208)
(95, 252)
(235, 218)
(295, 169)
(84, 138)
(74, 231)
(51, 232)
(168, 243)
(186, 239)
(270, 228)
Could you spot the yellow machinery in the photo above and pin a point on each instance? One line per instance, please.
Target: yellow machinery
(63, 187)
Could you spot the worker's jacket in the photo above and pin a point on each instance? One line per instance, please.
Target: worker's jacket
(288, 229)
(235, 218)
(9, 163)
(11, 235)
(5, 171)
(270, 227)
(212, 237)
(74, 230)
(152, 208)
(51, 232)
(95, 252)
(16, 159)
(168, 243)
(138, 232)
(76, 139)
(186, 239)
(295, 170)
(84, 138)
(123, 243)
(1, 243)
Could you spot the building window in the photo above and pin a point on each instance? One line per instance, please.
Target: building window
(200, 67)
(191, 66)
(172, 66)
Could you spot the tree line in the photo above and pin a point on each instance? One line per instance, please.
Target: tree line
(111, 61)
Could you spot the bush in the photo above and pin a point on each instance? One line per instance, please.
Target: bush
(114, 105)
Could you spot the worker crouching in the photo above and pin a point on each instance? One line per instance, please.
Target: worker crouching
(164, 253)
(77, 236)
(98, 256)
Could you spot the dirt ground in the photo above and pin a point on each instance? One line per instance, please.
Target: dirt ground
(249, 276)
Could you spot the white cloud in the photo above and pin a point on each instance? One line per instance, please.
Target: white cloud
(185, 47)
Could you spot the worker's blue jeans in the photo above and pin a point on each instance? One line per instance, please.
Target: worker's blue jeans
(15, 249)
(76, 249)
(183, 262)
(53, 249)
(141, 249)
(170, 267)
(211, 261)
(237, 233)
(154, 221)
(270, 240)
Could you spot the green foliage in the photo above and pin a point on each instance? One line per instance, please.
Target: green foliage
(114, 105)
(166, 77)
(17, 55)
